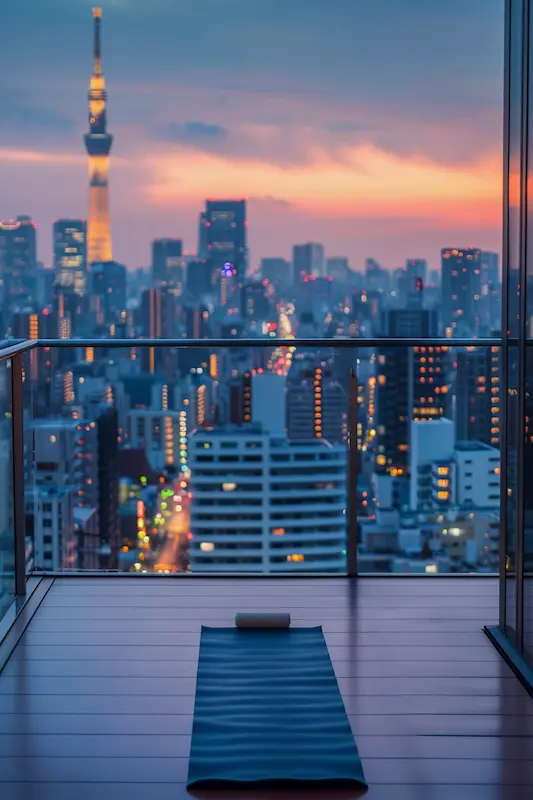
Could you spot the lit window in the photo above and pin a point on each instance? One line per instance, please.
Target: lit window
(431, 568)
(207, 547)
(229, 487)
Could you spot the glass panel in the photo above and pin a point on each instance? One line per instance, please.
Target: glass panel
(35, 385)
(513, 288)
(431, 460)
(7, 536)
(513, 432)
(202, 459)
(528, 510)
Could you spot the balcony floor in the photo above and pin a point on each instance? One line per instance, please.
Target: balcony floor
(96, 701)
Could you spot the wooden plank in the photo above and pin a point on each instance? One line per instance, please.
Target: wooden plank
(119, 679)
(348, 673)
(190, 653)
(192, 638)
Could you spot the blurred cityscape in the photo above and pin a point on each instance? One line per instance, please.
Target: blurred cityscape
(167, 459)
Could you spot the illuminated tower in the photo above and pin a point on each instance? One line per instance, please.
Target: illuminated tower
(98, 143)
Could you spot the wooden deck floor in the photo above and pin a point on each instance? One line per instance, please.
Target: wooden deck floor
(96, 701)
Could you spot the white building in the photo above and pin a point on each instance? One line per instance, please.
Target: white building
(478, 475)
(430, 442)
(260, 504)
(54, 543)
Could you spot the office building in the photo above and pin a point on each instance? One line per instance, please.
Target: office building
(199, 279)
(109, 282)
(167, 264)
(461, 290)
(70, 255)
(18, 263)
(255, 303)
(307, 259)
(490, 268)
(45, 282)
(224, 233)
(277, 271)
(261, 504)
(337, 268)
(98, 144)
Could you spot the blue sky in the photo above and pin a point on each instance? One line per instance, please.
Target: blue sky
(371, 125)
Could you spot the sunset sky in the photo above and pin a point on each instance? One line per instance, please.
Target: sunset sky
(373, 126)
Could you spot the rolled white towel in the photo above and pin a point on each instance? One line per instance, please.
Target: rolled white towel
(259, 620)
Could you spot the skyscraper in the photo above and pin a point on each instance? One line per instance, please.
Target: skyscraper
(477, 404)
(224, 238)
(167, 263)
(412, 383)
(98, 143)
(461, 288)
(308, 259)
(70, 254)
(18, 262)
(316, 403)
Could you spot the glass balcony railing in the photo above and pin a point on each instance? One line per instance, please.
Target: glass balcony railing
(253, 456)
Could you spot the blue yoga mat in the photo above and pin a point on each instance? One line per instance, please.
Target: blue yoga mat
(268, 710)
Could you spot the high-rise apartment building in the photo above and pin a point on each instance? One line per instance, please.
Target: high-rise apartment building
(308, 259)
(477, 401)
(157, 432)
(461, 289)
(18, 263)
(261, 504)
(70, 255)
(167, 264)
(98, 143)
(316, 402)
(412, 384)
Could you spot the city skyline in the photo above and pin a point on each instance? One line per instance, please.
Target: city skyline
(319, 153)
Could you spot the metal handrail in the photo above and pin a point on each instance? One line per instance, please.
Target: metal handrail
(21, 346)
(266, 343)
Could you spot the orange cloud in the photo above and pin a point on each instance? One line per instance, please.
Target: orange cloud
(33, 156)
(367, 182)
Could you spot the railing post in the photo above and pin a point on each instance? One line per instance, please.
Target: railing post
(19, 510)
(352, 475)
